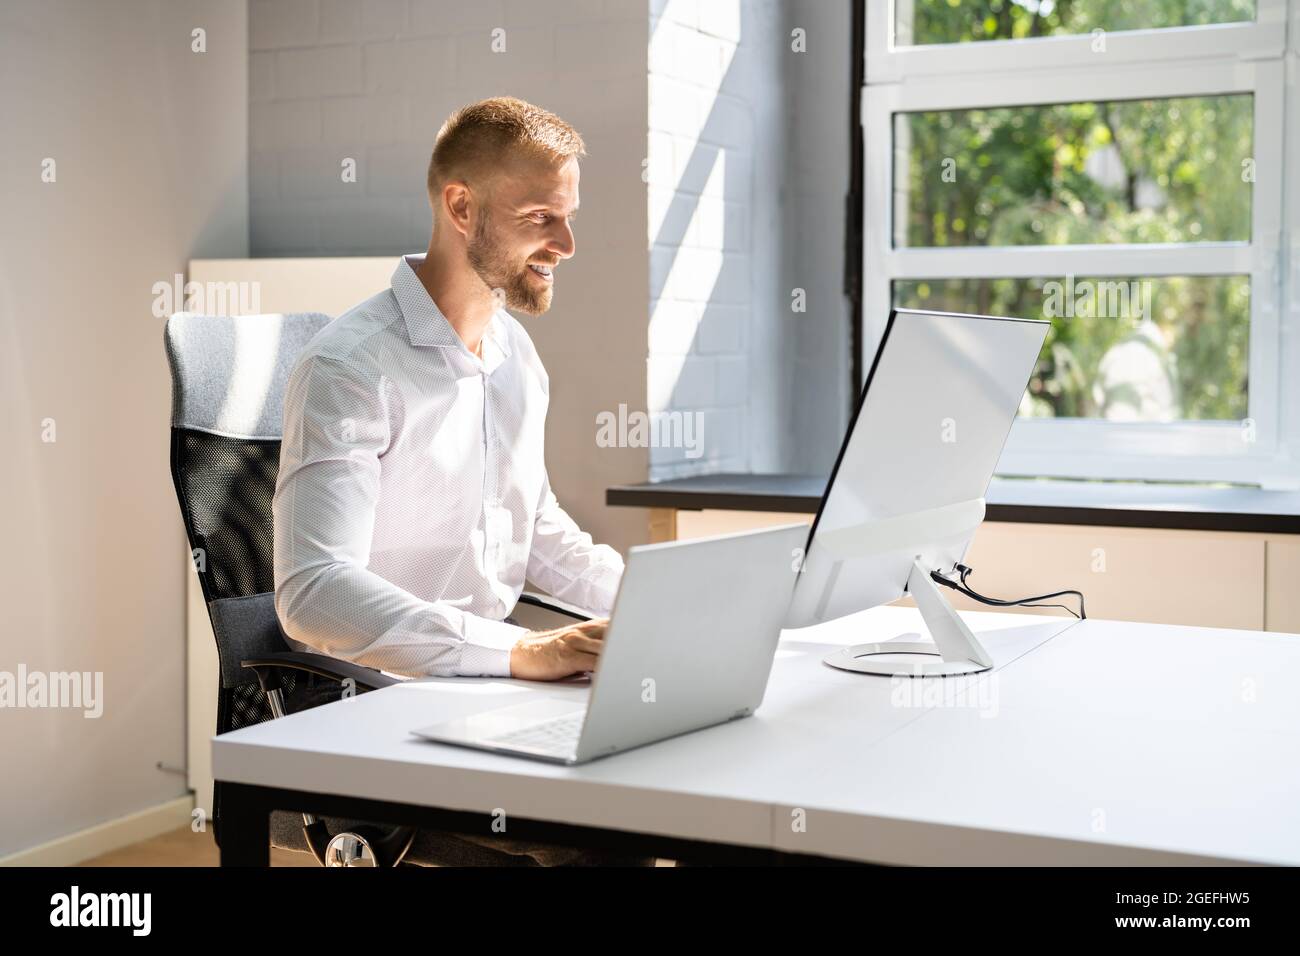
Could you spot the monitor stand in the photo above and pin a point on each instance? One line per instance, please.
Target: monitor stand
(955, 650)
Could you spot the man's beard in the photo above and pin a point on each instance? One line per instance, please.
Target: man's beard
(509, 281)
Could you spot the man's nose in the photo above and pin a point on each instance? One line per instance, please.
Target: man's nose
(560, 242)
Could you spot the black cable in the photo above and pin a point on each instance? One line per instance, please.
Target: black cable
(1063, 607)
(963, 572)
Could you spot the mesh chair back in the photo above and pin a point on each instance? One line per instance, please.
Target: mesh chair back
(228, 380)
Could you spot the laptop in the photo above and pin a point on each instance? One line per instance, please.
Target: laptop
(690, 644)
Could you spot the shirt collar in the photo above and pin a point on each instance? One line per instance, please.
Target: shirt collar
(425, 323)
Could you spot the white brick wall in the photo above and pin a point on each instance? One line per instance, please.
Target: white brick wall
(372, 80)
(748, 168)
(715, 167)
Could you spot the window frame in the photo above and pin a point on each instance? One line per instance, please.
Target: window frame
(889, 62)
(1249, 59)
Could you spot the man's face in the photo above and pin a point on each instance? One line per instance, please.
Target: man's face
(524, 231)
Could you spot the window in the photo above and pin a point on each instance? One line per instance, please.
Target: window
(1117, 168)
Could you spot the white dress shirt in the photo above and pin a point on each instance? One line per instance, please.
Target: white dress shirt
(412, 499)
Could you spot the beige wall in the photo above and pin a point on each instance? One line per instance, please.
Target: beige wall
(150, 145)
(1242, 580)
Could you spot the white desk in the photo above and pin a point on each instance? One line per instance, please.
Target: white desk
(1097, 742)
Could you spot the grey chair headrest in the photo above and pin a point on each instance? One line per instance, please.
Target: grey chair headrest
(229, 372)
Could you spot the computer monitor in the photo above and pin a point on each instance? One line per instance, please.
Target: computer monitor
(907, 491)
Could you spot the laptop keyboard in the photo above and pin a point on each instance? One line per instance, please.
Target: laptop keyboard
(558, 736)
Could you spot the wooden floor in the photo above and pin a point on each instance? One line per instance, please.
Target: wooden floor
(184, 847)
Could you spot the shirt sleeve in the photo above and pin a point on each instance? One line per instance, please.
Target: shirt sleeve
(566, 564)
(338, 421)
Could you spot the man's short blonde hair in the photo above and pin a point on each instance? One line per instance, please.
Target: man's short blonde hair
(478, 139)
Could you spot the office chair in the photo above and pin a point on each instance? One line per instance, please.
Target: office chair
(228, 380)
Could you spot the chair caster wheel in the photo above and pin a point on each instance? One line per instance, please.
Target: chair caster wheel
(368, 846)
(352, 849)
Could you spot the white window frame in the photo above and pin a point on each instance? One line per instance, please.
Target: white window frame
(889, 60)
(1249, 58)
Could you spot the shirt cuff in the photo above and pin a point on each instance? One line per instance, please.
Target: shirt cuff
(487, 647)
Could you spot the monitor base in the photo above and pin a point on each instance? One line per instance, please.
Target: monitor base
(858, 658)
(955, 649)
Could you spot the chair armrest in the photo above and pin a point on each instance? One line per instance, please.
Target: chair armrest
(548, 603)
(366, 678)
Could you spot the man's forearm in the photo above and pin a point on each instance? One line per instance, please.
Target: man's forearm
(353, 614)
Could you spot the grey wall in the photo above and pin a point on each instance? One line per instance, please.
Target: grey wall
(817, 96)
(336, 79)
(150, 146)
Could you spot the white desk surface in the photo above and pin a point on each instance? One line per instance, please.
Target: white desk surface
(1095, 742)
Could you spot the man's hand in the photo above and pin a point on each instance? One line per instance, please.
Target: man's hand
(558, 653)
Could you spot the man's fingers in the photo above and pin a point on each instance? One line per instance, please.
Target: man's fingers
(584, 644)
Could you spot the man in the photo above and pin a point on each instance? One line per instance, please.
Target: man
(412, 498)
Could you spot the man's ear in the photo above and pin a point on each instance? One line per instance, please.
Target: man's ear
(457, 202)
